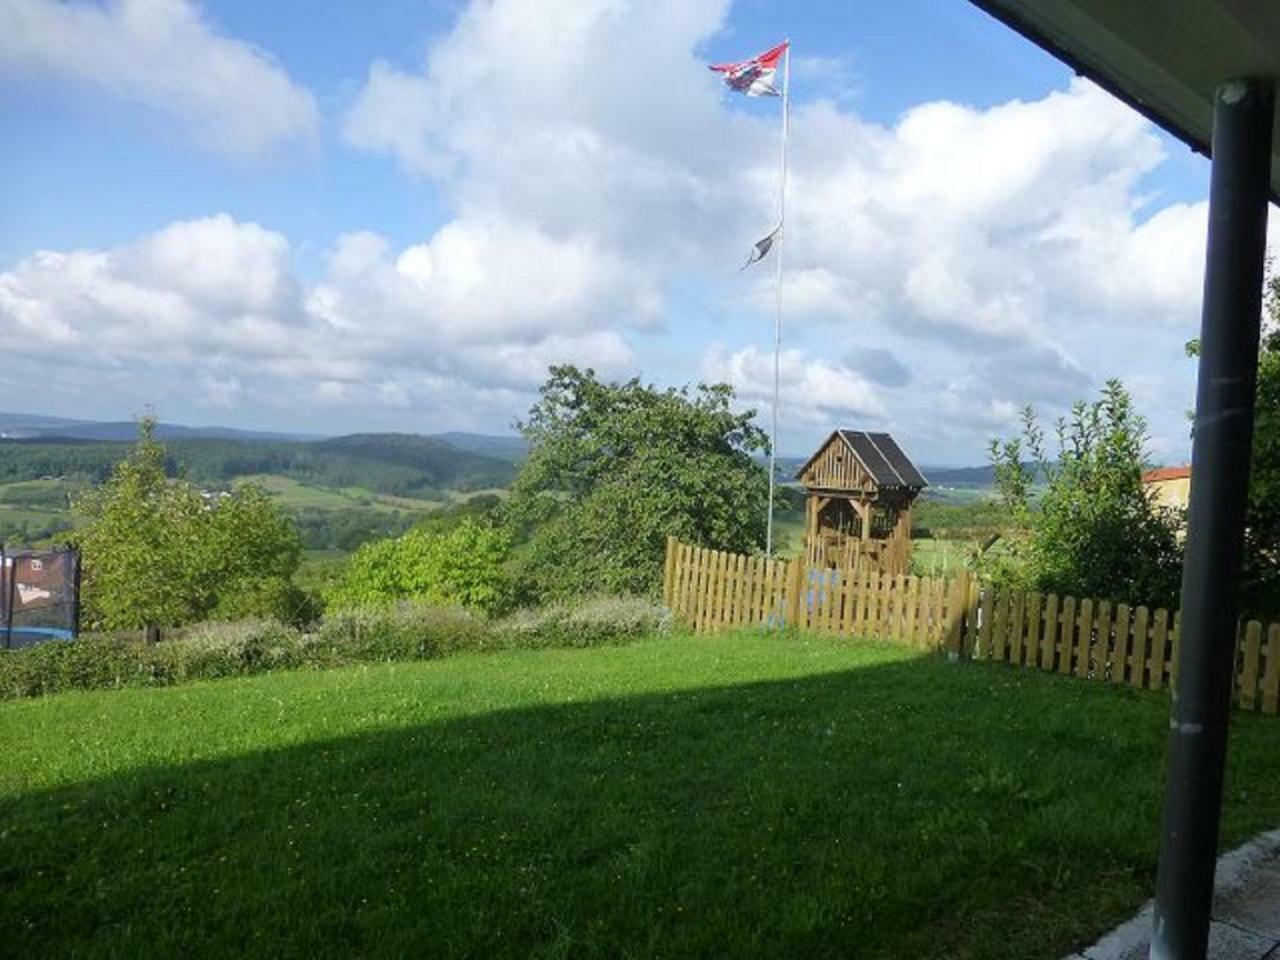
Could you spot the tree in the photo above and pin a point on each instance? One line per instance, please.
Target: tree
(160, 551)
(614, 468)
(1095, 531)
(1260, 574)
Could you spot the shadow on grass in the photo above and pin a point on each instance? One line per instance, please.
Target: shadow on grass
(902, 810)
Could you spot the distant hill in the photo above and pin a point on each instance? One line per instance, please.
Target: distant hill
(399, 464)
(510, 447)
(30, 426)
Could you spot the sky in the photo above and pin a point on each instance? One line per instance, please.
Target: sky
(394, 215)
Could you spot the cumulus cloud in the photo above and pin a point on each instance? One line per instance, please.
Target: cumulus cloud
(943, 269)
(163, 55)
(1002, 256)
(213, 304)
(814, 392)
(879, 366)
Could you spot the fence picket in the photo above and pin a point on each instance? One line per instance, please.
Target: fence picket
(1084, 633)
(1031, 634)
(1175, 643)
(999, 619)
(726, 590)
(1102, 639)
(868, 601)
(695, 591)
(1050, 637)
(764, 590)
(1271, 680)
(739, 586)
(668, 570)
(1138, 670)
(933, 603)
(914, 601)
(734, 581)
(893, 609)
(1066, 634)
(754, 580)
(986, 626)
(1249, 669)
(677, 581)
(713, 594)
(973, 601)
(884, 595)
(848, 581)
(937, 614)
(1120, 663)
(831, 604)
(713, 589)
(1159, 648)
(957, 603)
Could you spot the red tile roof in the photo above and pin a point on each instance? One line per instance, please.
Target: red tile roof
(1166, 473)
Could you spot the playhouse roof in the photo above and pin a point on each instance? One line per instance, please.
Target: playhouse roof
(879, 454)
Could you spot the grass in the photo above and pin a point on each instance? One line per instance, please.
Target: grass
(295, 495)
(735, 796)
(939, 558)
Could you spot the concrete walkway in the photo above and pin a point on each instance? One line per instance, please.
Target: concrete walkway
(1246, 911)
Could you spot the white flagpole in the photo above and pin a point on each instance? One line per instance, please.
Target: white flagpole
(777, 318)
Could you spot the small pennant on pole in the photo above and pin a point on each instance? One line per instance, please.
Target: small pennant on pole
(761, 248)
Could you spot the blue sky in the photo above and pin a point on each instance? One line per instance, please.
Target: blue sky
(393, 215)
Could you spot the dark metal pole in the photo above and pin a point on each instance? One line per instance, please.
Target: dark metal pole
(1229, 332)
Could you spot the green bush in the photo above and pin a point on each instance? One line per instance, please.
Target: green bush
(401, 631)
(464, 566)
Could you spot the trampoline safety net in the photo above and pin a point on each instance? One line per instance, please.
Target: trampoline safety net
(39, 596)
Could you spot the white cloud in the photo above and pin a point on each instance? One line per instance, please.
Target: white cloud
(589, 164)
(812, 392)
(1005, 255)
(163, 55)
(214, 303)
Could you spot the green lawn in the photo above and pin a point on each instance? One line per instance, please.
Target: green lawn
(682, 797)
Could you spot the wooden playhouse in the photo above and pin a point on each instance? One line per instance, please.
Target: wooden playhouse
(860, 489)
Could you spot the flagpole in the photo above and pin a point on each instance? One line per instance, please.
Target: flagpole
(777, 317)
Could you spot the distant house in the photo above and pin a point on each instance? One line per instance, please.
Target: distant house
(1169, 486)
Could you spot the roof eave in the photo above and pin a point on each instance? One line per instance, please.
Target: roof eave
(1011, 18)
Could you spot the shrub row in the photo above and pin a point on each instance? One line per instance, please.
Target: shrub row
(405, 631)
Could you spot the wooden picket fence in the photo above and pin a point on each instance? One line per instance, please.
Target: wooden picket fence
(1093, 639)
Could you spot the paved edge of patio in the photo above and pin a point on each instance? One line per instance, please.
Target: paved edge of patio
(1246, 910)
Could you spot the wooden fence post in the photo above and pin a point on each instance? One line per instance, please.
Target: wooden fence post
(795, 592)
(669, 573)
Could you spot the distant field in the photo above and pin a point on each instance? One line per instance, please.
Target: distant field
(295, 495)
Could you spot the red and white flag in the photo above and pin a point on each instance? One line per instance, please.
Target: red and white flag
(753, 77)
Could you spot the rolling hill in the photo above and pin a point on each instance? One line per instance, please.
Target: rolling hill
(398, 464)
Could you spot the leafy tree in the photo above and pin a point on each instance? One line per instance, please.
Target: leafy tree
(465, 565)
(1095, 531)
(158, 551)
(614, 468)
(1260, 575)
